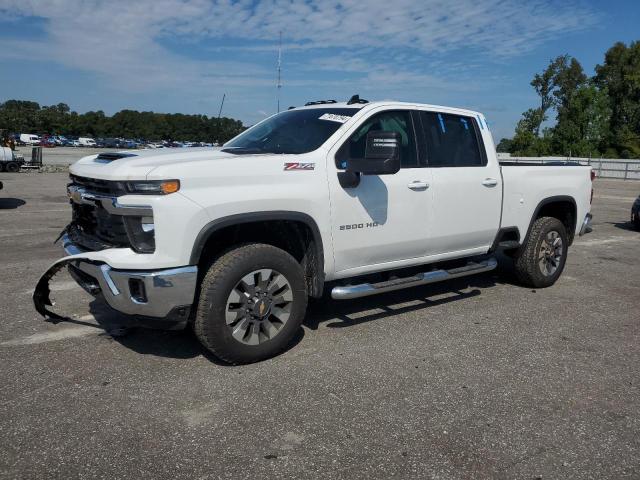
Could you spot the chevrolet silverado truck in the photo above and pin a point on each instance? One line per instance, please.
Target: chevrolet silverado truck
(348, 199)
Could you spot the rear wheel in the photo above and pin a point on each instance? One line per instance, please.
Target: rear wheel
(540, 262)
(252, 302)
(12, 167)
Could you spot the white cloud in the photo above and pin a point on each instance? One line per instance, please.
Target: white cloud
(387, 45)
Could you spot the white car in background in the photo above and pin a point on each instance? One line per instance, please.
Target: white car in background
(30, 139)
(86, 142)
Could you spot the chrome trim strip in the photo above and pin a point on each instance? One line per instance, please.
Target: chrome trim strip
(105, 269)
(69, 247)
(80, 196)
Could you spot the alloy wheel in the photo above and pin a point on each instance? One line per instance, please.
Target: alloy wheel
(259, 306)
(550, 253)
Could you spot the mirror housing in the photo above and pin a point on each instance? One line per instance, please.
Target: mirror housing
(381, 157)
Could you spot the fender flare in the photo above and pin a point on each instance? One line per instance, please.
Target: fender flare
(241, 218)
(547, 201)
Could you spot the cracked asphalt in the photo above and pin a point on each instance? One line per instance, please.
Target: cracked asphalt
(473, 378)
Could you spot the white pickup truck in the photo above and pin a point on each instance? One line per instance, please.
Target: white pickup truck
(352, 198)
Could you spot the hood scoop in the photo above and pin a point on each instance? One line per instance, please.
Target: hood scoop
(108, 157)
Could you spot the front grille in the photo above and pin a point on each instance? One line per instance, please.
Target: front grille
(102, 187)
(93, 227)
(96, 229)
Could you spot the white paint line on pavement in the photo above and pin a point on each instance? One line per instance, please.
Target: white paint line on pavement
(58, 287)
(56, 335)
(613, 197)
(602, 241)
(22, 212)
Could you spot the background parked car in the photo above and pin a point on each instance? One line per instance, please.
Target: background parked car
(29, 139)
(47, 141)
(87, 142)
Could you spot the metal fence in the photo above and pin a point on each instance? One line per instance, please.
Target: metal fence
(604, 167)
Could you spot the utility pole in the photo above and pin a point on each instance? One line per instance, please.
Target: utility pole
(218, 122)
(279, 84)
(221, 104)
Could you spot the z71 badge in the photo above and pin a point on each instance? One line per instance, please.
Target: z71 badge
(299, 166)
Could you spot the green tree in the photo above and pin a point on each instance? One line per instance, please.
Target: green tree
(544, 84)
(28, 117)
(526, 141)
(19, 116)
(583, 124)
(620, 76)
(505, 145)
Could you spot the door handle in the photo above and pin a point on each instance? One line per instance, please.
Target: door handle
(490, 182)
(418, 185)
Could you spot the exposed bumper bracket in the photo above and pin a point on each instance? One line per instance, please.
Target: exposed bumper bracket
(586, 225)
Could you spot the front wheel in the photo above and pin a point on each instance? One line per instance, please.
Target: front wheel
(252, 302)
(539, 263)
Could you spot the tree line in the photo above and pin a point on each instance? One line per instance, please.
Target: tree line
(21, 116)
(594, 116)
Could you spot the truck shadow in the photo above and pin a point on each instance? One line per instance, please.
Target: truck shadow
(182, 344)
(348, 313)
(178, 344)
(11, 203)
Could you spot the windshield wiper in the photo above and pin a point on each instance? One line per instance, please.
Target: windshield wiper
(241, 150)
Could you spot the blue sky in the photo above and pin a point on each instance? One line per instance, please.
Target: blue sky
(182, 55)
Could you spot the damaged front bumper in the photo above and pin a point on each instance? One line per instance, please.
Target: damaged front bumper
(166, 294)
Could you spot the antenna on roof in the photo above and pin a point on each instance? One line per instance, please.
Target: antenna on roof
(356, 99)
(279, 84)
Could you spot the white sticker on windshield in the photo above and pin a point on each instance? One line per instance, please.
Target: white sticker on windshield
(334, 118)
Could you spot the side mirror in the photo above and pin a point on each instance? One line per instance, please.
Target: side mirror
(381, 157)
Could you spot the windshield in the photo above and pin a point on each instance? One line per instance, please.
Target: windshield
(293, 131)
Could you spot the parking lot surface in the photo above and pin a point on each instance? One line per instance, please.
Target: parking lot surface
(62, 155)
(473, 378)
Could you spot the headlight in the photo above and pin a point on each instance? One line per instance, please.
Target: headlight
(153, 187)
(141, 233)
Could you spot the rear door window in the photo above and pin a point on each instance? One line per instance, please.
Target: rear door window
(452, 140)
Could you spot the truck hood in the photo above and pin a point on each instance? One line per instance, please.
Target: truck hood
(138, 164)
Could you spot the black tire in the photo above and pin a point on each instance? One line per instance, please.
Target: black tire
(12, 167)
(222, 278)
(635, 220)
(1, 167)
(528, 263)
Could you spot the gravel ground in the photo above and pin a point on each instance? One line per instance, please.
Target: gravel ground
(475, 378)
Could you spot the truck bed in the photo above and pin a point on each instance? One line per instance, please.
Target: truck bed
(526, 185)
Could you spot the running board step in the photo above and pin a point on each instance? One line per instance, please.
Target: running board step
(434, 276)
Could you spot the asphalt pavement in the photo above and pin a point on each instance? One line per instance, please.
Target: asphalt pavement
(473, 378)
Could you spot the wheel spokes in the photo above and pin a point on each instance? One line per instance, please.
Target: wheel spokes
(258, 306)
